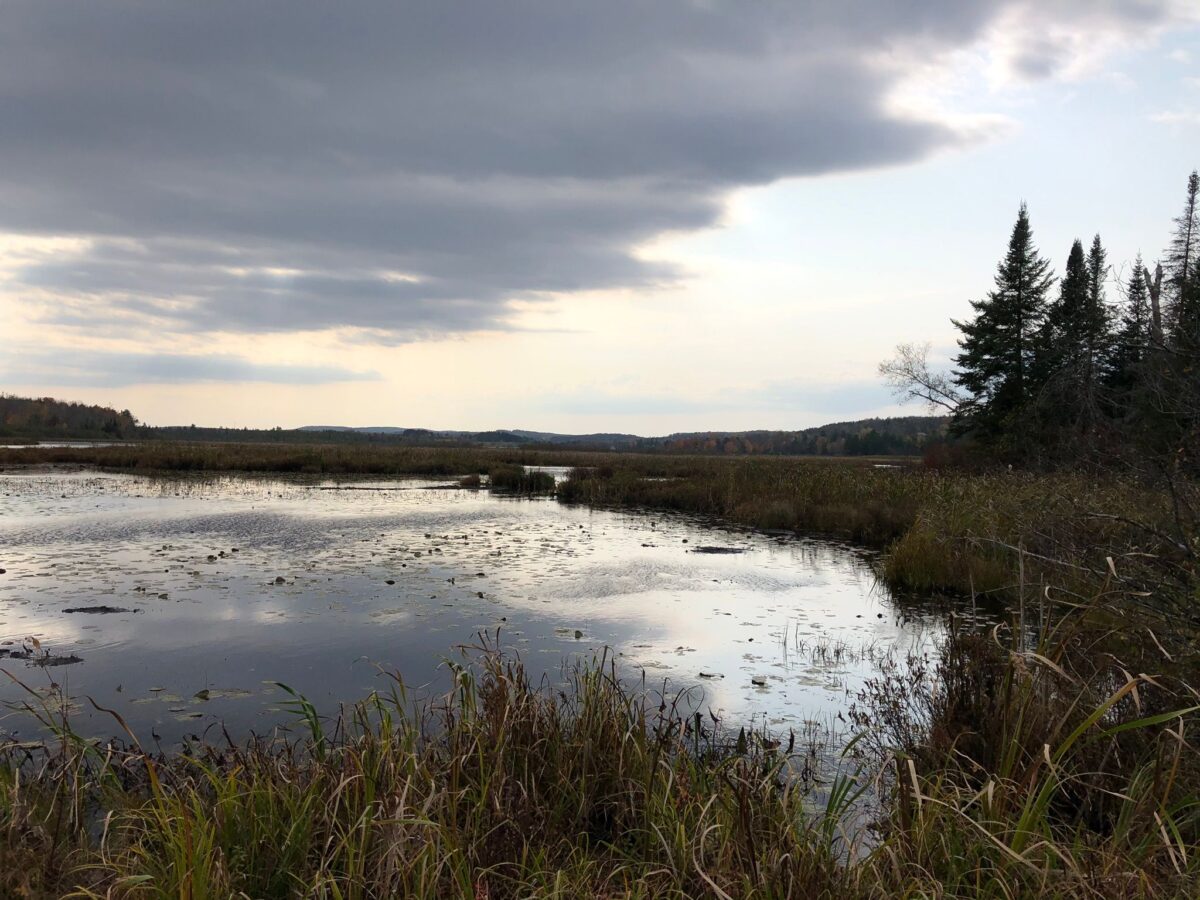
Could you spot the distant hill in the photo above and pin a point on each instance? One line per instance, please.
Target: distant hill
(499, 436)
(48, 419)
(901, 435)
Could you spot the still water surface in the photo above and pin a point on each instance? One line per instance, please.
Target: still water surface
(225, 585)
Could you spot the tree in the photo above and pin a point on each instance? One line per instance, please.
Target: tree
(1095, 338)
(996, 365)
(1059, 344)
(1182, 310)
(909, 376)
(1134, 333)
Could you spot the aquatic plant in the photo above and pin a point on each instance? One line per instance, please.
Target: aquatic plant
(519, 480)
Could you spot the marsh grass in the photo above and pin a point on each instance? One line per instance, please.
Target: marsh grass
(503, 788)
(1011, 764)
(1070, 764)
(519, 480)
(963, 532)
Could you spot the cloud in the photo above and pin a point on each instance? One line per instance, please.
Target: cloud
(412, 168)
(70, 368)
(1177, 117)
(1032, 40)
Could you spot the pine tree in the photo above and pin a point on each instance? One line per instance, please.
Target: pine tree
(997, 365)
(1182, 311)
(1096, 333)
(1132, 340)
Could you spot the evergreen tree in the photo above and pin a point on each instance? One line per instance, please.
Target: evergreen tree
(1065, 318)
(997, 365)
(1074, 351)
(1182, 311)
(1096, 332)
(1132, 340)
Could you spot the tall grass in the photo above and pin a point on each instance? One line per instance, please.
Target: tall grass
(1018, 763)
(503, 789)
(519, 480)
(1043, 762)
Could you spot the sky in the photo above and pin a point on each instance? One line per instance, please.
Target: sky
(566, 215)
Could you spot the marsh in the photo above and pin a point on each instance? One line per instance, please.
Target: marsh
(183, 600)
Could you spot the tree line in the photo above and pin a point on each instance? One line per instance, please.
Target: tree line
(900, 436)
(47, 419)
(1055, 370)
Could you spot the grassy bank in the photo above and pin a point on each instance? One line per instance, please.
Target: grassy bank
(507, 789)
(943, 530)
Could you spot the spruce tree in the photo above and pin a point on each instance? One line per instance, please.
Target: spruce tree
(1096, 334)
(997, 365)
(1132, 339)
(1182, 311)
(1066, 316)
(1074, 350)
(1059, 358)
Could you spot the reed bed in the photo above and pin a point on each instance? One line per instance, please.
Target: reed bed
(962, 532)
(519, 480)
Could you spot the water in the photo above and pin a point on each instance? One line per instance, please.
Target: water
(228, 585)
(27, 446)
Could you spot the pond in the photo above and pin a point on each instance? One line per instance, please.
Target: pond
(180, 602)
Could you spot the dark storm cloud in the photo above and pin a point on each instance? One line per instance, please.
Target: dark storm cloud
(95, 368)
(413, 167)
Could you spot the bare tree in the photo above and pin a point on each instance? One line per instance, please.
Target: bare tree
(909, 376)
(1154, 286)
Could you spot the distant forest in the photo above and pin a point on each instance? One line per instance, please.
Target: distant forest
(1095, 367)
(902, 436)
(25, 418)
(48, 419)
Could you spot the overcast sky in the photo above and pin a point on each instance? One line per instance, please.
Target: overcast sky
(569, 215)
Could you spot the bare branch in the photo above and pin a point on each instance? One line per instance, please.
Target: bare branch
(910, 378)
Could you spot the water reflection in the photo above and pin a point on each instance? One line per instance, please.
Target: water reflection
(225, 585)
